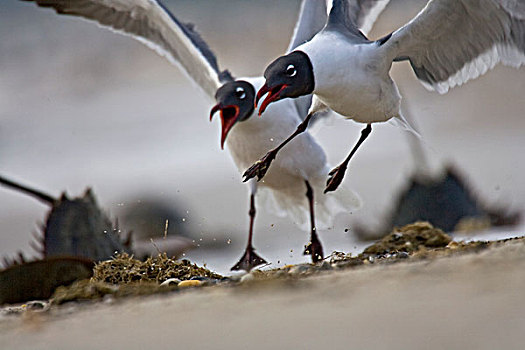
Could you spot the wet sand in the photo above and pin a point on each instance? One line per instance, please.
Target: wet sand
(470, 301)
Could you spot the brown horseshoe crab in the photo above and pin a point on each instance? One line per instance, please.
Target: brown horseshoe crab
(76, 234)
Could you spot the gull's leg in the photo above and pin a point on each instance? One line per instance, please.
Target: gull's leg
(338, 173)
(249, 259)
(260, 167)
(314, 247)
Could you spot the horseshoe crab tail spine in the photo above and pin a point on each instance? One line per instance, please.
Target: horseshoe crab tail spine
(35, 193)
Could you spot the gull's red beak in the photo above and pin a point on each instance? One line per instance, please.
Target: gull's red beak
(273, 95)
(229, 115)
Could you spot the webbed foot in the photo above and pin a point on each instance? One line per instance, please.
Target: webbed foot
(249, 260)
(260, 167)
(335, 177)
(315, 249)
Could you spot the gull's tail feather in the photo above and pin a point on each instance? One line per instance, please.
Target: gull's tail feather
(293, 203)
(418, 145)
(403, 123)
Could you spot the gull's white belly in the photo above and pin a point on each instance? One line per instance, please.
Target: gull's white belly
(301, 159)
(352, 79)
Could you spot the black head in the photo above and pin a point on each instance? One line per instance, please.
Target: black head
(288, 76)
(235, 101)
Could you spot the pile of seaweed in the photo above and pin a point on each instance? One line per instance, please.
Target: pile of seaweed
(125, 269)
(125, 276)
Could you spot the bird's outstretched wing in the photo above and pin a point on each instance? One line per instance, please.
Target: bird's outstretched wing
(363, 13)
(312, 18)
(151, 23)
(452, 41)
(354, 17)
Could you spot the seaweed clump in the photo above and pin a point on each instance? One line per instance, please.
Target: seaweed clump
(125, 276)
(124, 269)
(409, 239)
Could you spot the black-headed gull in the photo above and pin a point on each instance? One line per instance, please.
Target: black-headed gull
(296, 177)
(448, 43)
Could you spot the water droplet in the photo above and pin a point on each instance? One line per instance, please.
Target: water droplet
(229, 241)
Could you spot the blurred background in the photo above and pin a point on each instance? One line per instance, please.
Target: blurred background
(81, 106)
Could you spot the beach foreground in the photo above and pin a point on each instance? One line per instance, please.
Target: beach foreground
(469, 300)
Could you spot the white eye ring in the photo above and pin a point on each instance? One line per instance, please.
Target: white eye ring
(291, 71)
(239, 92)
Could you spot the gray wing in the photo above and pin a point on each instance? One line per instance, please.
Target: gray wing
(452, 41)
(354, 17)
(151, 23)
(364, 13)
(312, 18)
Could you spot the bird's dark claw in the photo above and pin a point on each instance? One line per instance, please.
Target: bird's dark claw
(260, 167)
(335, 177)
(249, 260)
(314, 249)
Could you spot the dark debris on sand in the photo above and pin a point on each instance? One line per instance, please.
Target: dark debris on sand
(409, 239)
(412, 242)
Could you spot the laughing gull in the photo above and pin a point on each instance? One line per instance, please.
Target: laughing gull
(448, 43)
(290, 187)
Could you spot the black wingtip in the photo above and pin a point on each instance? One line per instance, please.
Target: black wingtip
(226, 76)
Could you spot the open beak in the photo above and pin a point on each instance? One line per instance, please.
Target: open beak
(229, 116)
(274, 94)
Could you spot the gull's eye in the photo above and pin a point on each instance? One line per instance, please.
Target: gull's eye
(239, 92)
(291, 71)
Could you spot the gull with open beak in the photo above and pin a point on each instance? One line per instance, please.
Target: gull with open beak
(448, 43)
(292, 184)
